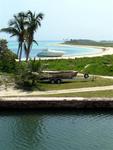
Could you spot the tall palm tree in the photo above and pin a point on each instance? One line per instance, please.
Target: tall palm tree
(17, 28)
(34, 21)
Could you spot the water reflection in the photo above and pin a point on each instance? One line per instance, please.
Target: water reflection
(23, 129)
(27, 131)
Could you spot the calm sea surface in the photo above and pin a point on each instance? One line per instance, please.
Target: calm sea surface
(68, 50)
(57, 130)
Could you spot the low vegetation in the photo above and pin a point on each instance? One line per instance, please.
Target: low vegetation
(96, 65)
(28, 74)
(90, 43)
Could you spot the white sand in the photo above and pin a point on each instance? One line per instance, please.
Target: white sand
(101, 51)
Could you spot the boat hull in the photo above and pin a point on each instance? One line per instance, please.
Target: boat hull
(47, 53)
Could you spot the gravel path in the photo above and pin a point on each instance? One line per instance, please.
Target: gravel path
(14, 92)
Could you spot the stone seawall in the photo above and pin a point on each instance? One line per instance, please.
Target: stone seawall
(40, 103)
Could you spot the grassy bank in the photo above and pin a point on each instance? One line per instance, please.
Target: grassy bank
(96, 65)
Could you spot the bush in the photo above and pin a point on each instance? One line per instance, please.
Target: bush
(3, 45)
(7, 61)
(7, 58)
(35, 66)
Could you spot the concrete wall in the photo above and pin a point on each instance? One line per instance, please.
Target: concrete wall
(56, 103)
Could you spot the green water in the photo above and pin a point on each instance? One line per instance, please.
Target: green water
(57, 130)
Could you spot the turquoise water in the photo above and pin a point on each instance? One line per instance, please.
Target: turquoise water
(57, 130)
(68, 50)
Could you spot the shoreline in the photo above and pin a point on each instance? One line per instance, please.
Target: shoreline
(102, 51)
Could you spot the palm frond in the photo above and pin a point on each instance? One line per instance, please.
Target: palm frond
(10, 30)
(40, 16)
(39, 23)
(14, 24)
(35, 42)
(29, 13)
(13, 35)
(11, 22)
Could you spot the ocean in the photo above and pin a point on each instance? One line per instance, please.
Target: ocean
(54, 45)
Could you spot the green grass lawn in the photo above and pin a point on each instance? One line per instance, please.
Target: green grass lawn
(79, 83)
(106, 94)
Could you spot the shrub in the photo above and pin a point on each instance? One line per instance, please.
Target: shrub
(3, 45)
(7, 58)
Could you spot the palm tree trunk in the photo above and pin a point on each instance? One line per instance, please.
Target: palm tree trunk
(20, 53)
(27, 55)
(28, 51)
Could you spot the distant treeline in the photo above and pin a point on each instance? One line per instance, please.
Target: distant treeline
(90, 42)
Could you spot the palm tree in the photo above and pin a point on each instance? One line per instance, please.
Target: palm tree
(17, 28)
(34, 21)
(23, 26)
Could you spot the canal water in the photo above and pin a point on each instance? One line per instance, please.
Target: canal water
(56, 130)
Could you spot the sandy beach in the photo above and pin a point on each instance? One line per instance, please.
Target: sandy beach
(101, 50)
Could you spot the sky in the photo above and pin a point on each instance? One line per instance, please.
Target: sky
(64, 19)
